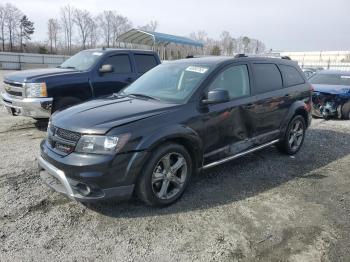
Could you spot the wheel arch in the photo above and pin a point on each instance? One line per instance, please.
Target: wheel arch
(182, 135)
(298, 108)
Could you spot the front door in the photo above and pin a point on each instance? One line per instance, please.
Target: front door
(112, 82)
(229, 128)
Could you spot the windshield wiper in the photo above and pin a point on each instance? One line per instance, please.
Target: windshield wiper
(142, 96)
(67, 67)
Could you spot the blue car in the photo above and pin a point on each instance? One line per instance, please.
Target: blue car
(331, 96)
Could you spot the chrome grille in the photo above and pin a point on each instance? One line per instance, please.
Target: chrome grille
(69, 135)
(13, 88)
(62, 140)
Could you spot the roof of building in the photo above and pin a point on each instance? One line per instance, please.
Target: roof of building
(137, 36)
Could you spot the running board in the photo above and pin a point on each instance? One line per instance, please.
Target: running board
(240, 154)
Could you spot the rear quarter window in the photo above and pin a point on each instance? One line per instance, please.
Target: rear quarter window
(291, 76)
(267, 78)
(145, 62)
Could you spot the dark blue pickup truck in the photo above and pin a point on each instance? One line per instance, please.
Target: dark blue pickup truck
(86, 75)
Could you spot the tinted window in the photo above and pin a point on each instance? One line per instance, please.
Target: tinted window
(267, 78)
(145, 62)
(291, 76)
(120, 63)
(330, 79)
(234, 79)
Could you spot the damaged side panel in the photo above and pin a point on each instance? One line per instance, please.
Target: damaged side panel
(228, 131)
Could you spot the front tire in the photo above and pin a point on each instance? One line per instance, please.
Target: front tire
(346, 110)
(165, 176)
(294, 136)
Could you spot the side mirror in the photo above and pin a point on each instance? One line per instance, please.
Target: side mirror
(217, 96)
(106, 69)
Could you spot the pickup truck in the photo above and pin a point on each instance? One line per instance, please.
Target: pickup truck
(88, 74)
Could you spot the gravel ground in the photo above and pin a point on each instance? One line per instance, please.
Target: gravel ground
(262, 207)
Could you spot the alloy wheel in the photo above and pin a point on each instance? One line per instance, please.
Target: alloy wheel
(296, 135)
(169, 175)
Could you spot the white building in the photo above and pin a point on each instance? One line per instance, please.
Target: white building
(339, 60)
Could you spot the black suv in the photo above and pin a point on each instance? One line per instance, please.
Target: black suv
(179, 118)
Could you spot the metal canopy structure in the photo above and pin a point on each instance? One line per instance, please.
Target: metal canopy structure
(137, 36)
(165, 44)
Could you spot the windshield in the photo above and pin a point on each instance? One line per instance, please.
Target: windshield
(330, 79)
(171, 82)
(82, 60)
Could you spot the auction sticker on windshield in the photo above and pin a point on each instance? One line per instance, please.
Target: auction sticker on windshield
(197, 69)
(97, 53)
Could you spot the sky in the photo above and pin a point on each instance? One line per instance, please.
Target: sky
(283, 25)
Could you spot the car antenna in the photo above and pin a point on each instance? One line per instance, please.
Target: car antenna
(103, 48)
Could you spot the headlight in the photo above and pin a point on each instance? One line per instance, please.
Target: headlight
(35, 89)
(101, 144)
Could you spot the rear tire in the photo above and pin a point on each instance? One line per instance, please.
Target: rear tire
(165, 175)
(294, 136)
(345, 110)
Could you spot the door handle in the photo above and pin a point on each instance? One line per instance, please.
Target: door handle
(287, 95)
(248, 106)
(130, 79)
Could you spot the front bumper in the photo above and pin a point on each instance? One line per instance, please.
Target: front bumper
(58, 181)
(90, 178)
(32, 107)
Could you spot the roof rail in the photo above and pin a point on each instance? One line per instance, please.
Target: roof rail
(286, 57)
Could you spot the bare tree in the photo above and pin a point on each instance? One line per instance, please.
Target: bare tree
(12, 21)
(93, 33)
(151, 26)
(121, 24)
(227, 43)
(83, 19)
(67, 13)
(2, 25)
(105, 20)
(246, 41)
(53, 28)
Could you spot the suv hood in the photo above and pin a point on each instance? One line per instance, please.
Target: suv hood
(100, 115)
(32, 75)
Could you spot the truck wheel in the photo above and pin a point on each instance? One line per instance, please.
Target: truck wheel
(64, 103)
(294, 136)
(345, 111)
(165, 175)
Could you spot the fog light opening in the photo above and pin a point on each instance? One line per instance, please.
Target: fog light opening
(83, 189)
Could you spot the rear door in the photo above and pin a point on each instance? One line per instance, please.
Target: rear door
(121, 76)
(144, 63)
(272, 100)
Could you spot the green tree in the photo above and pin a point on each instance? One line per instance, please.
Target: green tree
(215, 50)
(26, 29)
(43, 50)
